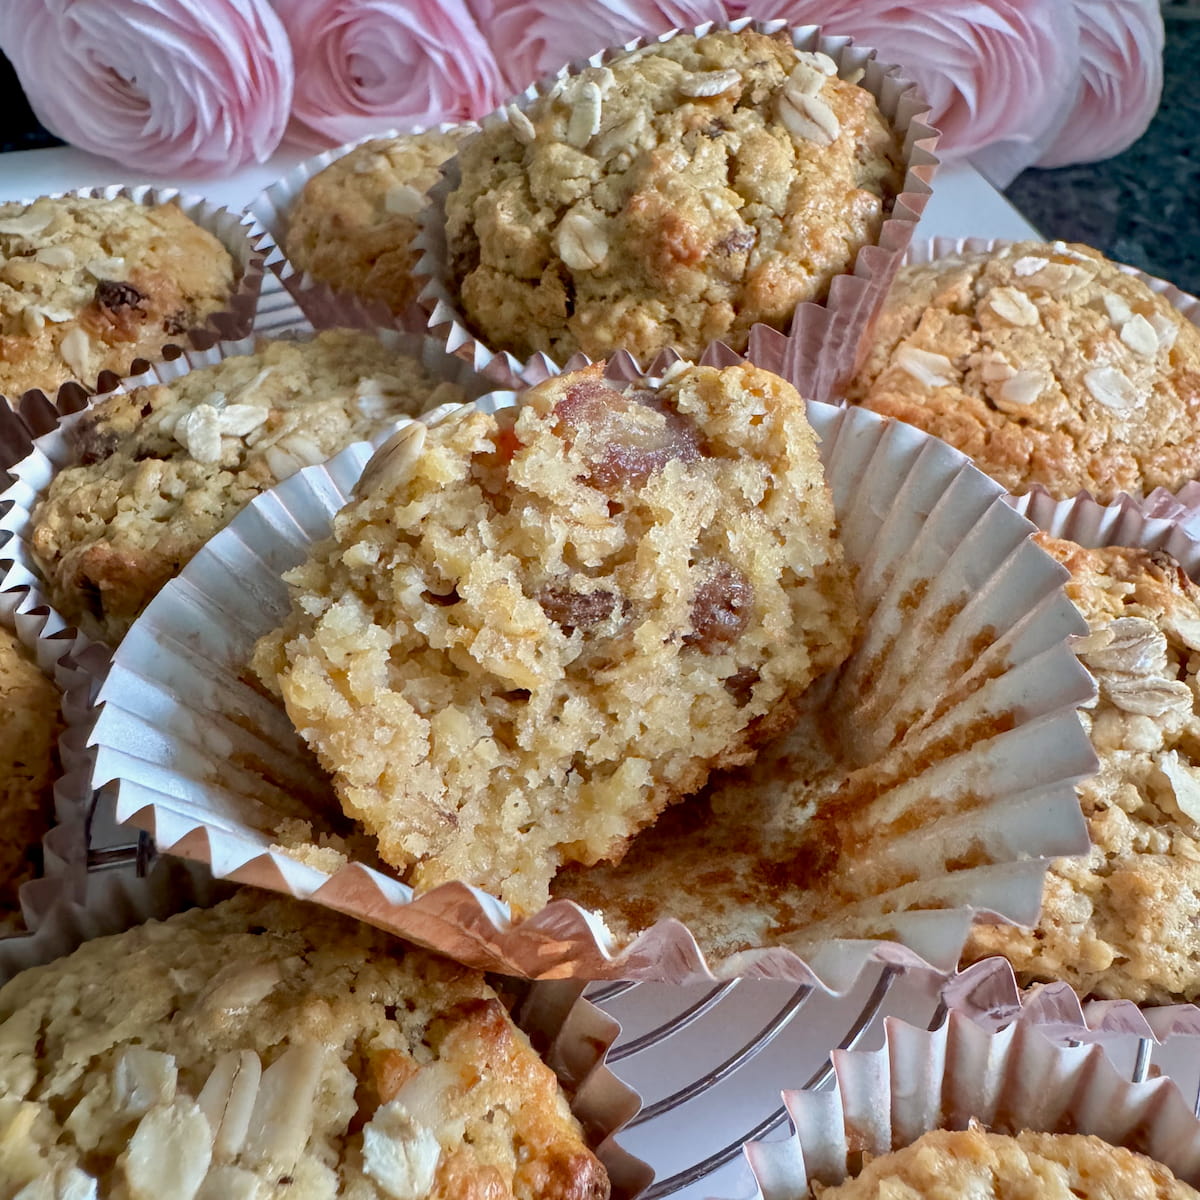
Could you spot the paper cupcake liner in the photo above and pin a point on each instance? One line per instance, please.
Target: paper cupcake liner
(821, 350)
(1183, 505)
(200, 759)
(324, 305)
(919, 1080)
(571, 1034)
(232, 322)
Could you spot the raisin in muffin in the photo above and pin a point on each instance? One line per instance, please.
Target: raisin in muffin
(949, 1165)
(162, 468)
(1121, 922)
(30, 722)
(268, 1048)
(680, 194)
(533, 630)
(88, 285)
(1047, 364)
(353, 224)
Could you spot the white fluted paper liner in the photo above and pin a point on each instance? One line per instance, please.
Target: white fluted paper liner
(324, 305)
(234, 321)
(572, 1035)
(820, 351)
(200, 759)
(885, 1099)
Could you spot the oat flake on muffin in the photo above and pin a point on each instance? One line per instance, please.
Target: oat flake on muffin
(675, 196)
(88, 285)
(1045, 363)
(535, 629)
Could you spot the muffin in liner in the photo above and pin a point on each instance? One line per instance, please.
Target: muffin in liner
(37, 439)
(570, 1034)
(959, 604)
(322, 304)
(1016, 1079)
(232, 322)
(1182, 505)
(822, 346)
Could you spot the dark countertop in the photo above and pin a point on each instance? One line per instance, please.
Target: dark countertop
(1142, 207)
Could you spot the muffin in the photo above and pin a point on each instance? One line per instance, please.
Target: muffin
(677, 195)
(533, 630)
(30, 722)
(1047, 364)
(88, 285)
(268, 1048)
(1121, 922)
(162, 468)
(948, 1165)
(354, 222)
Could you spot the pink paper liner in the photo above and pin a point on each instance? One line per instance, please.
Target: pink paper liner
(821, 350)
(37, 408)
(1011, 1080)
(324, 305)
(158, 725)
(1183, 505)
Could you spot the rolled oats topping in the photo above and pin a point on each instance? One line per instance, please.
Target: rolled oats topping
(729, 178)
(1070, 373)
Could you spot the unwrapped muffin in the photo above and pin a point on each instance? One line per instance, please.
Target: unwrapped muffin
(534, 629)
(162, 468)
(90, 284)
(30, 722)
(952, 1164)
(353, 224)
(1121, 922)
(676, 195)
(1045, 363)
(268, 1048)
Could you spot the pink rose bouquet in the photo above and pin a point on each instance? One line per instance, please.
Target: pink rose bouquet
(532, 38)
(366, 65)
(178, 87)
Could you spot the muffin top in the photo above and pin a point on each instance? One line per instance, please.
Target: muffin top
(354, 222)
(30, 722)
(1047, 364)
(1120, 922)
(534, 629)
(162, 468)
(269, 1048)
(675, 196)
(88, 285)
(949, 1165)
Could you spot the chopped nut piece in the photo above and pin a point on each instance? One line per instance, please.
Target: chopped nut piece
(393, 462)
(584, 122)
(1166, 327)
(283, 1109)
(1029, 265)
(400, 1154)
(580, 242)
(808, 117)
(521, 125)
(710, 83)
(199, 432)
(1117, 308)
(28, 223)
(55, 256)
(141, 1079)
(1025, 387)
(169, 1153)
(227, 1100)
(1138, 334)
(404, 200)
(926, 366)
(76, 351)
(994, 369)
(1110, 388)
(1013, 305)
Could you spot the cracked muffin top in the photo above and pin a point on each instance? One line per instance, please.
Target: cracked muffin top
(1047, 364)
(88, 285)
(1120, 922)
(162, 468)
(533, 630)
(267, 1049)
(354, 222)
(675, 196)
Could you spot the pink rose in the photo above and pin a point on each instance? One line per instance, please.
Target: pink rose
(533, 38)
(1121, 46)
(993, 72)
(366, 65)
(172, 87)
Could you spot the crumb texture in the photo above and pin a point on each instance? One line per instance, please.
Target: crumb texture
(161, 469)
(676, 196)
(88, 285)
(534, 630)
(30, 722)
(1045, 363)
(354, 222)
(945, 1165)
(269, 1050)
(1120, 923)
